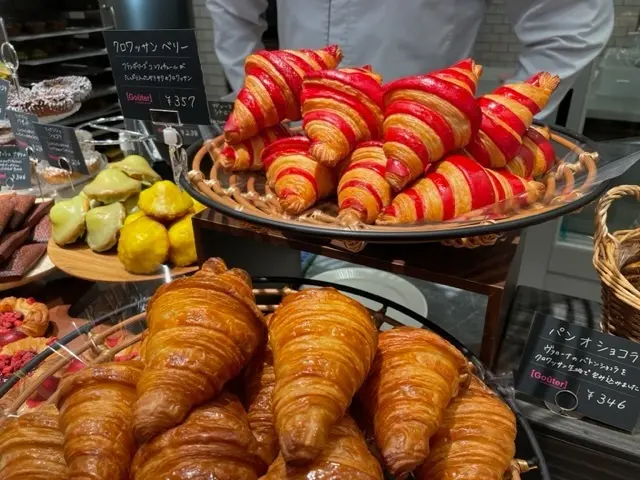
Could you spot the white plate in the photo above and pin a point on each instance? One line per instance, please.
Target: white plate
(383, 284)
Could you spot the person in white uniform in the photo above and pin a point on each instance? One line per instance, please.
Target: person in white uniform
(409, 37)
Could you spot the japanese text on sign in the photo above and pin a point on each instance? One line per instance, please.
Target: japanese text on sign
(15, 168)
(61, 147)
(4, 93)
(24, 132)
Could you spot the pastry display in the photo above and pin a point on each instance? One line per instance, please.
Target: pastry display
(259, 382)
(76, 87)
(41, 232)
(456, 186)
(22, 261)
(341, 108)
(165, 202)
(476, 439)
(271, 90)
(507, 112)
(60, 176)
(138, 168)
(11, 241)
(536, 155)
(21, 318)
(323, 344)
(31, 447)
(346, 456)
(143, 246)
(21, 207)
(428, 116)
(298, 179)
(68, 219)
(247, 155)
(7, 204)
(363, 191)
(202, 331)
(103, 224)
(414, 376)
(95, 416)
(182, 242)
(111, 185)
(213, 442)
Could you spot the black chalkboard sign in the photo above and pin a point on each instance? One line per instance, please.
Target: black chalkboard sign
(59, 144)
(158, 70)
(580, 370)
(15, 168)
(4, 93)
(219, 111)
(25, 133)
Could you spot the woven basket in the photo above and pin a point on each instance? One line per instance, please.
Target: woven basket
(616, 257)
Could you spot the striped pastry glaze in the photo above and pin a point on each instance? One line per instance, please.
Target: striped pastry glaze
(363, 191)
(507, 112)
(536, 156)
(457, 185)
(341, 108)
(247, 155)
(298, 179)
(428, 116)
(272, 86)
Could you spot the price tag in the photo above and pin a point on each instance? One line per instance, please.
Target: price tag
(580, 370)
(25, 133)
(219, 111)
(4, 93)
(159, 70)
(15, 168)
(59, 144)
(189, 133)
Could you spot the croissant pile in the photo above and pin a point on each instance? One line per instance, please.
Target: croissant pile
(388, 152)
(220, 391)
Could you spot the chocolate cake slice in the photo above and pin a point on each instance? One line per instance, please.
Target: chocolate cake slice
(10, 242)
(42, 232)
(35, 215)
(23, 204)
(22, 261)
(7, 202)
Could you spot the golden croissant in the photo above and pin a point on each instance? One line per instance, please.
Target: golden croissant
(428, 116)
(507, 112)
(323, 344)
(31, 447)
(272, 86)
(202, 331)
(346, 456)
(341, 108)
(96, 406)
(259, 381)
(298, 179)
(363, 191)
(476, 439)
(214, 442)
(414, 376)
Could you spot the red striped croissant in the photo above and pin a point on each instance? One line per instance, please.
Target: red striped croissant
(247, 155)
(507, 112)
(341, 108)
(363, 191)
(536, 156)
(298, 179)
(271, 90)
(428, 116)
(457, 186)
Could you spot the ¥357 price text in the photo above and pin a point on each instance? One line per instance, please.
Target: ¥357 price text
(180, 101)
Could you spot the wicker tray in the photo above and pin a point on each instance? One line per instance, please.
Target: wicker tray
(571, 184)
(22, 385)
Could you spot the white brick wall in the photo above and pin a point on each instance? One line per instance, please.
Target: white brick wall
(498, 46)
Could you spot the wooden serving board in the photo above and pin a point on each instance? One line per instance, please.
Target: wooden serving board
(79, 261)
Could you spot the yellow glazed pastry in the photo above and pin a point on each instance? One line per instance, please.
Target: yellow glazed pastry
(165, 202)
(143, 246)
(182, 243)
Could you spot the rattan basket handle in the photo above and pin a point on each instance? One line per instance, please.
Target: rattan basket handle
(602, 232)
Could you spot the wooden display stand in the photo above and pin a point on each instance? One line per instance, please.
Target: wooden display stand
(490, 271)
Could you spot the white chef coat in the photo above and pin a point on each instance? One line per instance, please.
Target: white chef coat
(408, 37)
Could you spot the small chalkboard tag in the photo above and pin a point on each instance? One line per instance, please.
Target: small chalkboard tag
(4, 93)
(61, 147)
(580, 370)
(189, 133)
(25, 133)
(219, 111)
(15, 168)
(158, 69)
